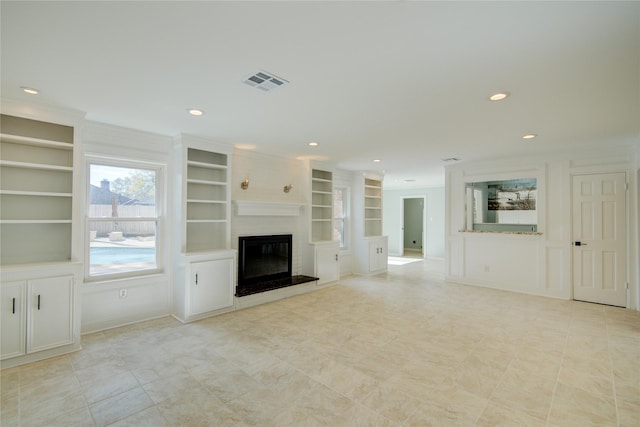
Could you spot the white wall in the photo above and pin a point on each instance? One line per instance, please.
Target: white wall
(267, 177)
(147, 296)
(534, 264)
(435, 219)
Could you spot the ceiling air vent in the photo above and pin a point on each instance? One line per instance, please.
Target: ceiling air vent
(264, 81)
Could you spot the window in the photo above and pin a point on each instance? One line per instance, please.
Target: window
(123, 218)
(340, 215)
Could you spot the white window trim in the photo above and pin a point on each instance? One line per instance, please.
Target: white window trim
(346, 203)
(161, 230)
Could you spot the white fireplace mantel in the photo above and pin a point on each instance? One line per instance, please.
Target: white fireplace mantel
(257, 208)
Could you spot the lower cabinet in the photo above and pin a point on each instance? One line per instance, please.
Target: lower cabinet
(210, 285)
(378, 255)
(205, 285)
(370, 255)
(327, 262)
(14, 320)
(37, 315)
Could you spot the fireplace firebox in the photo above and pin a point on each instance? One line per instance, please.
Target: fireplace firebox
(264, 264)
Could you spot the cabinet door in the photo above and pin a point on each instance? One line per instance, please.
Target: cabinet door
(383, 259)
(13, 320)
(377, 255)
(211, 285)
(374, 252)
(50, 313)
(327, 264)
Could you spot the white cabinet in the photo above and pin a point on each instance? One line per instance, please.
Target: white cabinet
(49, 305)
(14, 320)
(40, 236)
(204, 274)
(37, 315)
(210, 285)
(377, 255)
(327, 262)
(206, 285)
(370, 246)
(321, 257)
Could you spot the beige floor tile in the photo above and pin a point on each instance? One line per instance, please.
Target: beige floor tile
(165, 388)
(436, 414)
(497, 416)
(628, 413)
(347, 381)
(600, 385)
(198, 407)
(150, 417)
(574, 406)
(391, 403)
(10, 409)
(104, 381)
(524, 393)
(119, 407)
(10, 381)
(360, 416)
(401, 348)
(50, 399)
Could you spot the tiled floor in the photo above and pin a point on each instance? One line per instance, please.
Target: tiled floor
(401, 349)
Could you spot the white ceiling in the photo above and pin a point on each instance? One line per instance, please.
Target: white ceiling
(404, 82)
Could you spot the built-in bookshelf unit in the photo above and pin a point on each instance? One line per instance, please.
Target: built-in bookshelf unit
(36, 191)
(321, 205)
(372, 207)
(207, 207)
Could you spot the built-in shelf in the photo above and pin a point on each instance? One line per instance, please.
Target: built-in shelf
(372, 207)
(36, 142)
(35, 221)
(206, 200)
(36, 191)
(321, 205)
(203, 182)
(27, 165)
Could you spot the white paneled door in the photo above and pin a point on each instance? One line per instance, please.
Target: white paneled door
(600, 238)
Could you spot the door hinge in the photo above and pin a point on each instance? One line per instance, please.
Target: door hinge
(627, 285)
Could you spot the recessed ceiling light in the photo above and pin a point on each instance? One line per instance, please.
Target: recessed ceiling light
(195, 112)
(313, 144)
(409, 180)
(30, 90)
(529, 136)
(499, 96)
(376, 161)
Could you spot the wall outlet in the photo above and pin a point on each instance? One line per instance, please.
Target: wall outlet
(487, 269)
(123, 293)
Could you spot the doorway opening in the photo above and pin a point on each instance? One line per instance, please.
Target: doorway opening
(413, 226)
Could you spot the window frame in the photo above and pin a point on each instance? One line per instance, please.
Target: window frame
(344, 219)
(159, 218)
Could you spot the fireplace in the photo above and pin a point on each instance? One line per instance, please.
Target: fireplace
(264, 264)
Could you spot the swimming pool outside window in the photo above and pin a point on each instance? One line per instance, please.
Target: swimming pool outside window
(123, 218)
